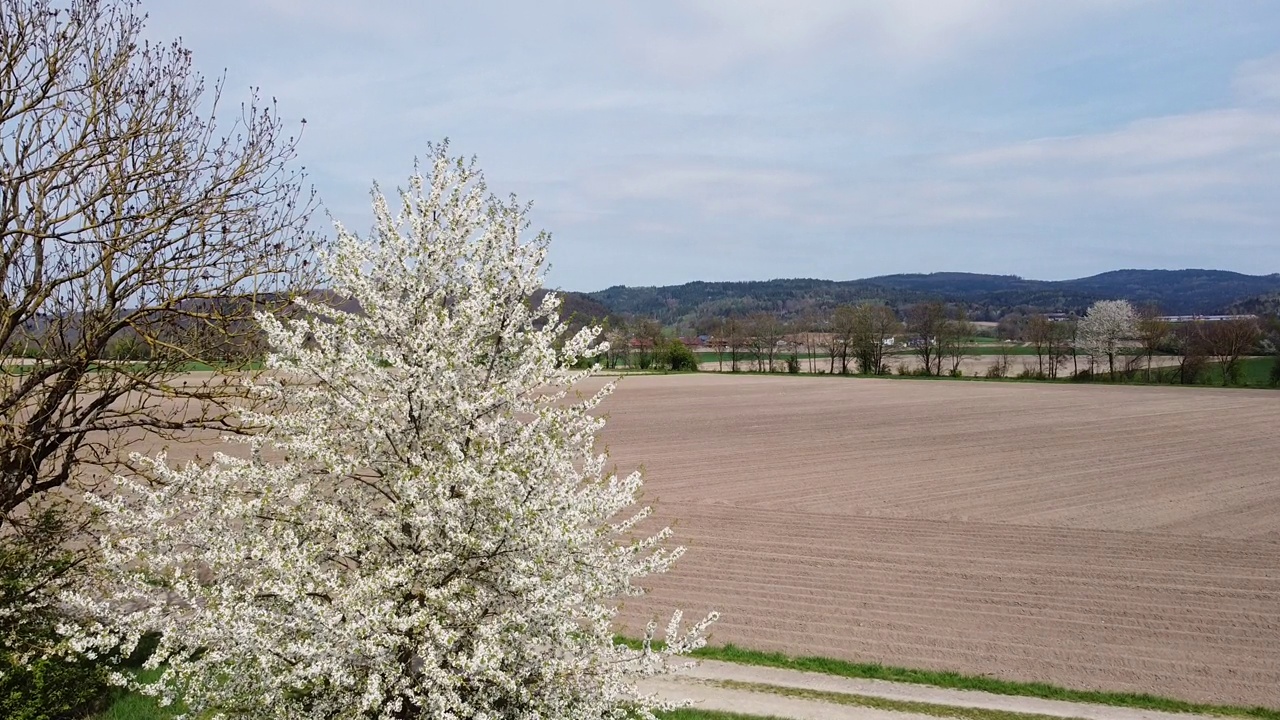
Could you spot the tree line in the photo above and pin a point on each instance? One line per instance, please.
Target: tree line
(1111, 340)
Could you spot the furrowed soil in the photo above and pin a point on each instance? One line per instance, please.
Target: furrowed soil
(1108, 537)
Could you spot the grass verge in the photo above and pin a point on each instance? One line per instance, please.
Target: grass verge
(695, 714)
(959, 681)
(879, 703)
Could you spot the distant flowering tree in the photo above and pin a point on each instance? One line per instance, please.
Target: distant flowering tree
(1103, 328)
(440, 539)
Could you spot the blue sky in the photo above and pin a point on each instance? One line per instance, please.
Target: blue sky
(663, 142)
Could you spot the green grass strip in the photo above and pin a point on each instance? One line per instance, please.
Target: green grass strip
(696, 714)
(959, 681)
(879, 703)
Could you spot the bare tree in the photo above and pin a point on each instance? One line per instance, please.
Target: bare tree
(734, 333)
(873, 326)
(1189, 342)
(1039, 333)
(1153, 333)
(130, 227)
(926, 323)
(1071, 332)
(1012, 327)
(767, 330)
(953, 340)
(1228, 341)
(844, 330)
(809, 335)
(646, 337)
(619, 338)
(1060, 337)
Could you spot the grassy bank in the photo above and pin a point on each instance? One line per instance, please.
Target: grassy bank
(960, 681)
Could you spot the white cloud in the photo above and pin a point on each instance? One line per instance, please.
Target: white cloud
(708, 38)
(1258, 80)
(1177, 138)
(711, 188)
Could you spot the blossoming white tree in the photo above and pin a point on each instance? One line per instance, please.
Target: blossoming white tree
(440, 539)
(1104, 326)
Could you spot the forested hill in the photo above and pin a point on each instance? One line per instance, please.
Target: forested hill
(1177, 292)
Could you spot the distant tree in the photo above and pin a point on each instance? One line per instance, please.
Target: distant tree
(844, 329)
(767, 331)
(1038, 332)
(619, 340)
(1227, 341)
(1105, 327)
(1012, 327)
(1071, 333)
(1270, 344)
(719, 345)
(873, 326)
(1153, 333)
(733, 331)
(953, 341)
(1187, 342)
(926, 325)
(1059, 346)
(807, 329)
(646, 337)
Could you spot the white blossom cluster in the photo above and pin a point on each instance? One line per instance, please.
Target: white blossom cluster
(1104, 327)
(441, 538)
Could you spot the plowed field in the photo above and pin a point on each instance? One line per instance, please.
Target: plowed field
(1125, 538)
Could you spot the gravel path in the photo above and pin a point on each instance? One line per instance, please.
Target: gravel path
(700, 684)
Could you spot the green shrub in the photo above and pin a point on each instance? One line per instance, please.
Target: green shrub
(52, 688)
(677, 356)
(1275, 371)
(35, 682)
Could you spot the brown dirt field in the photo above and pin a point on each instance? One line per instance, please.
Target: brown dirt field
(1124, 538)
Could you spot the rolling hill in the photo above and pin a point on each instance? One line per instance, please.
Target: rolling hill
(987, 297)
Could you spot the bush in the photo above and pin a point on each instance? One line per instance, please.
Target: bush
(51, 688)
(1275, 371)
(793, 364)
(999, 367)
(679, 357)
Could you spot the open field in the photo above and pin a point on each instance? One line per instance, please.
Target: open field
(1125, 538)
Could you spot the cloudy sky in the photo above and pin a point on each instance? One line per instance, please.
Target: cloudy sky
(663, 142)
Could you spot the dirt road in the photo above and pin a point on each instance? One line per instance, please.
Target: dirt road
(720, 686)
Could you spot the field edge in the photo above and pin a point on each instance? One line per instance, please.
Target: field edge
(960, 681)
